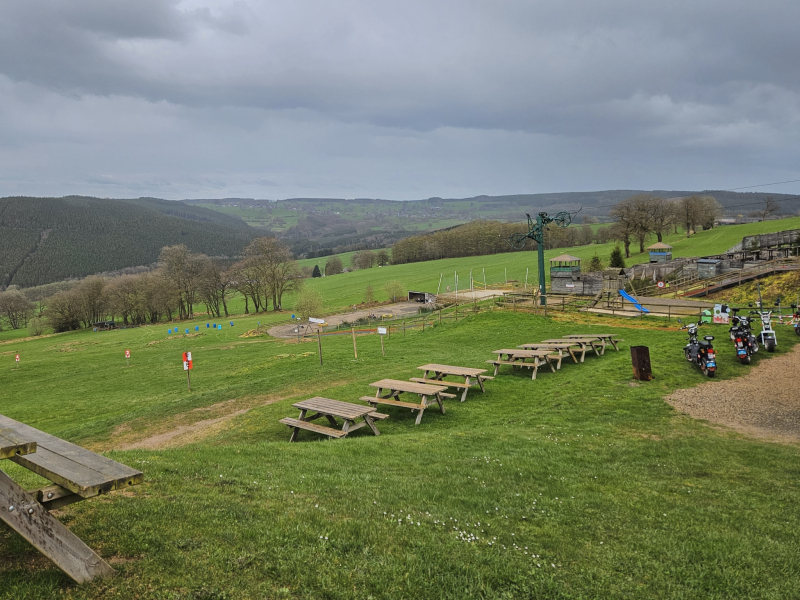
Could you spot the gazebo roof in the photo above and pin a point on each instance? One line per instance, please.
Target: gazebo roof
(565, 258)
(660, 246)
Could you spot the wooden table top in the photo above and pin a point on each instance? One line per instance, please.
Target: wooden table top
(554, 345)
(408, 386)
(14, 444)
(335, 408)
(586, 340)
(451, 370)
(590, 335)
(522, 353)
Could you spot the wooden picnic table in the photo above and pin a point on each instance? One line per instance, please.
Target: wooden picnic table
(332, 410)
(517, 358)
(435, 374)
(568, 347)
(603, 337)
(594, 343)
(77, 474)
(394, 387)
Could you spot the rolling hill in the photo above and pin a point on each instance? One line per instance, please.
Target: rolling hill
(51, 239)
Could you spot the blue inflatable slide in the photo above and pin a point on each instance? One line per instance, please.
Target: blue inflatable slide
(633, 301)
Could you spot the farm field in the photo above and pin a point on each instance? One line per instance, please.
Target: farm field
(581, 484)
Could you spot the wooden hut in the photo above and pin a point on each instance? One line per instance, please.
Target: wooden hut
(565, 275)
(660, 252)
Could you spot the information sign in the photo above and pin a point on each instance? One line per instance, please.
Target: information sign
(187, 361)
(319, 321)
(381, 330)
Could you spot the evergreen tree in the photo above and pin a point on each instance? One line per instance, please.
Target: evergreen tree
(595, 264)
(316, 272)
(617, 261)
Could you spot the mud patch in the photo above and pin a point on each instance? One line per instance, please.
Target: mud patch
(198, 423)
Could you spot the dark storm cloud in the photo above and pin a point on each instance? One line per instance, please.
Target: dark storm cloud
(634, 81)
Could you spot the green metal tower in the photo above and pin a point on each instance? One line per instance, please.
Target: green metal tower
(536, 233)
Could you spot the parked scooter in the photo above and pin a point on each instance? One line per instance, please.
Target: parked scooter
(700, 352)
(796, 319)
(768, 338)
(743, 339)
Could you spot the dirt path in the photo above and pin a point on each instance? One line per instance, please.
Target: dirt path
(289, 330)
(765, 403)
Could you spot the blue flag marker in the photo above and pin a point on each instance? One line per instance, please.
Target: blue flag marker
(187, 331)
(214, 325)
(293, 316)
(220, 327)
(231, 323)
(169, 331)
(196, 328)
(207, 326)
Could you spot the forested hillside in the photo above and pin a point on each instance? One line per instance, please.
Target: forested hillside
(51, 239)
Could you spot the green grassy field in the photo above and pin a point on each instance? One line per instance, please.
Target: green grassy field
(582, 484)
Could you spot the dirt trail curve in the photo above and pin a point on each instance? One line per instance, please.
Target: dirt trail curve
(765, 403)
(289, 330)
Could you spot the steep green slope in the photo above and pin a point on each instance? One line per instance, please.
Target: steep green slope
(50, 239)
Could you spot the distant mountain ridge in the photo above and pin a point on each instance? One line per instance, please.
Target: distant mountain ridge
(43, 240)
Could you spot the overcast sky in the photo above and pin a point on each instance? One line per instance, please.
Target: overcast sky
(398, 100)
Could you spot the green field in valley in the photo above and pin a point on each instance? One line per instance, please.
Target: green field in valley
(581, 484)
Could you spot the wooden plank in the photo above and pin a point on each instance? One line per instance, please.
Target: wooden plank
(407, 386)
(48, 535)
(67, 473)
(108, 470)
(390, 402)
(298, 424)
(378, 416)
(454, 384)
(336, 408)
(13, 444)
(452, 370)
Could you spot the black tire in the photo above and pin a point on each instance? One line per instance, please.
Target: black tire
(710, 373)
(797, 330)
(745, 359)
(770, 345)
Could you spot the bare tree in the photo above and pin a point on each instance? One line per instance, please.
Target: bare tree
(689, 211)
(333, 266)
(280, 270)
(16, 308)
(625, 227)
(661, 215)
(184, 270)
(709, 211)
(382, 257)
(770, 206)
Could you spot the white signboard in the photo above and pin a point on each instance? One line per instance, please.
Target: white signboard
(382, 330)
(720, 316)
(319, 321)
(570, 285)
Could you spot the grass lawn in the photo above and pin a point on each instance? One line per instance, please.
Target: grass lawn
(582, 484)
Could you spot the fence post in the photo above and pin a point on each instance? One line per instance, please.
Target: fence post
(669, 313)
(562, 304)
(440, 316)
(404, 328)
(319, 345)
(355, 349)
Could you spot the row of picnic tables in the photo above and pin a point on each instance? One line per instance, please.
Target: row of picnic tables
(431, 389)
(552, 352)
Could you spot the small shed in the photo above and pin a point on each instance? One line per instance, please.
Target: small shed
(660, 252)
(708, 267)
(425, 297)
(565, 275)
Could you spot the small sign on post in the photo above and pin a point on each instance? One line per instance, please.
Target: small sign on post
(187, 366)
(128, 358)
(382, 332)
(16, 358)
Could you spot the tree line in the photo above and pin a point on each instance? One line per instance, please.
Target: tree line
(183, 281)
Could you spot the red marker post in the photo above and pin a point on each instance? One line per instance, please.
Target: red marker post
(128, 357)
(187, 366)
(16, 358)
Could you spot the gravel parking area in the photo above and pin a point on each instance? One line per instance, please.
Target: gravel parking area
(765, 403)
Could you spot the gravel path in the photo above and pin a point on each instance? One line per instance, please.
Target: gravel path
(765, 403)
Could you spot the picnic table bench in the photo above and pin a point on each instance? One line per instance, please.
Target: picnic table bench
(603, 337)
(594, 343)
(395, 387)
(434, 374)
(77, 474)
(560, 348)
(331, 410)
(517, 358)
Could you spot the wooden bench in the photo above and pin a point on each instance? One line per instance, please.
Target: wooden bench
(332, 410)
(435, 374)
(309, 426)
(77, 473)
(394, 387)
(517, 357)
